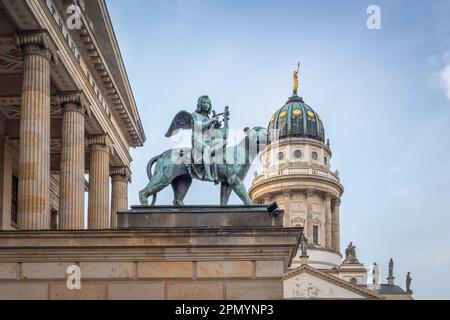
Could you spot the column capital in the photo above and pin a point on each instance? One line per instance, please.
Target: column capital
(328, 196)
(336, 202)
(36, 42)
(287, 194)
(73, 101)
(310, 192)
(100, 141)
(120, 173)
(268, 197)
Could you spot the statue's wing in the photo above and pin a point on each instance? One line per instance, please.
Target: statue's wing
(183, 120)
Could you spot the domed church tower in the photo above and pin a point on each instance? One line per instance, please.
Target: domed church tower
(296, 173)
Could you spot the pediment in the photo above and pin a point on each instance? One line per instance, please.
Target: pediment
(309, 283)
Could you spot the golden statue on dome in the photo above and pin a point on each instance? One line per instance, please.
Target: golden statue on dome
(296, 79)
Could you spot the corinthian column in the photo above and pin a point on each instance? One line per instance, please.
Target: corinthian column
(119, 198)
(100, 148)
(309, 216)
(336, 224)
(34, 151)
(328, 222)
(71, 193)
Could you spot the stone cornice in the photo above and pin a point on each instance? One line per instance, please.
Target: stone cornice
(280, 179)
(266, 243)
(98, 61)
(47, 14)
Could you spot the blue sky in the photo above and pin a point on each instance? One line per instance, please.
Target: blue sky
(384, 97)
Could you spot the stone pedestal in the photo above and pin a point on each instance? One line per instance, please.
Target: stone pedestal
(199, 216)
(168, 258)
(158, 263)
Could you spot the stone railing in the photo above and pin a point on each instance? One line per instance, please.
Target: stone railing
(296, 172)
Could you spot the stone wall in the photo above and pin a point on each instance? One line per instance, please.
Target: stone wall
(151, 264)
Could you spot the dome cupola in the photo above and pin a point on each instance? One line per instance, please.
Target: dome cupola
(296, 119)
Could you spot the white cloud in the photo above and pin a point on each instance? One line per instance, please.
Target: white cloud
(445, 80)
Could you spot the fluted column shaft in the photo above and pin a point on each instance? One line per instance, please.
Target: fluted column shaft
(328, 222)
(98, 204)
(34, 150)
(336, 224)
(119, 193)
(71, 193)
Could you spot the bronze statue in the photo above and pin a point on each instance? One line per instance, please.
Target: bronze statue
(295, 78)
(209, 159)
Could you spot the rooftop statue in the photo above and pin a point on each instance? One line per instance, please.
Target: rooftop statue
(210, 158)
(391, 268)
(350, 252)
(408, 283)
(295, 78)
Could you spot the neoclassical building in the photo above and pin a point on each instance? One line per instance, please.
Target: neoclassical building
(296, 173)
(67, 116)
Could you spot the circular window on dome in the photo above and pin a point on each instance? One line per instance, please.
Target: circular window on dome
(310, 114)
(283, 114)
(315, 156)
(280, 156)
(298, 154)
(272, 120)
(297, 113)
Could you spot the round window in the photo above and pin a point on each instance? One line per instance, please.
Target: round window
(281, 156)
(298, 154)
(353, 281)
(315, 156)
